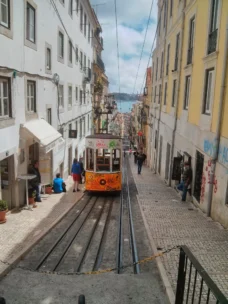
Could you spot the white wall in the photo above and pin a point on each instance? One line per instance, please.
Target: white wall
(30, 64)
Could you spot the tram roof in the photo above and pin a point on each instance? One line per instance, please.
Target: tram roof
(104, 136)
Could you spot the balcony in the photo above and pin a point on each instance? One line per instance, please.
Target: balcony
(212, 41)
(100, 63)
(189, 56)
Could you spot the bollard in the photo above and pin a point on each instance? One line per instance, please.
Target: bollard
(81, 299)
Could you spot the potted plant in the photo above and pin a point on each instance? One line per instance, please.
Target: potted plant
(32, 195)
(3, 210)
(48, 189)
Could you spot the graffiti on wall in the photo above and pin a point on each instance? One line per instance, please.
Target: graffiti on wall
(206, 180)
(209, 147)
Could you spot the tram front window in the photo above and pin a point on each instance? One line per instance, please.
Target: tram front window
(103, 160)
(90, 159)
(116, 160)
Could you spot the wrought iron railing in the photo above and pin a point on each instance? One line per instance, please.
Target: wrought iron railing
(189, 59)
(194, 285)
(212, 41)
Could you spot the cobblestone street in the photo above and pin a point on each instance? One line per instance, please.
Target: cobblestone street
(172, 222)
(24, 228)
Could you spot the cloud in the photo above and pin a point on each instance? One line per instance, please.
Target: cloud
(132, 22)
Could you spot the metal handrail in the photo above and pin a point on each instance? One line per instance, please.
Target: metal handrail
(186, 256)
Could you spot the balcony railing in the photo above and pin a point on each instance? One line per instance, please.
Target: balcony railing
(100, 63)
(189, 57)
(212, 41)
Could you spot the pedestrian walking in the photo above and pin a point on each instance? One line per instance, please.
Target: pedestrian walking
(186, 181)
(35, 183)
(76, 172)
(140, 160)
(130, 152)
(135, 156)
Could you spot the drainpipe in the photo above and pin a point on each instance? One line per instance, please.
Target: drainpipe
(178, 94)
(218, 126)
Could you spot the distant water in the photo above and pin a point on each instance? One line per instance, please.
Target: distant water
(125, 106)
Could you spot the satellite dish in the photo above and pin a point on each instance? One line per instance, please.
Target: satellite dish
(56, 78)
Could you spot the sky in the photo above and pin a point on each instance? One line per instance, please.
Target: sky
(132, 22)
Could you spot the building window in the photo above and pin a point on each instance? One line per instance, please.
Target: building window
(84, 63)
(80, 125)
(5, 13)
(187, 91)
(226, 201)
(213, 30)
(31, 96)
(48, 59)
(84, 96)
(5, 102)
(81, 60)
(70, 96)
(155, 93)
(167, 60)
(171, 8)
(49, 118)
(91, 36)
(89, 29)
(157, 70)
(61, 45)
(61, 96)
(88, 122)
(208, 93)
(77, 6)
(76, 93)
(85, 20)
(177, 52)
(81, 17)
(165, 94)
(165, 8)
(31, 21)
(80, 97)
(191, 40)
(89, 64)
(76, 54)
(160, 94)
(161, 69)
(70, 52)
(174, 92)
(71, 7)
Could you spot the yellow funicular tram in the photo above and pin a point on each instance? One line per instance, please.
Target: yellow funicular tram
(103, 162)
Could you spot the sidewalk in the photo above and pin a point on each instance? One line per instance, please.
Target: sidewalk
(171, 222)
(24, 228)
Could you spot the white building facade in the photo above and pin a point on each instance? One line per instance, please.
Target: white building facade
(46, 56)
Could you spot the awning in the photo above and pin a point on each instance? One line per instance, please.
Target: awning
(43, 133)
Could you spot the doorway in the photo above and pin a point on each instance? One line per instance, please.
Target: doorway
(61, 170)
(7, 178)
(69, 160)
(168, 149)
(160, 155)
(33, 153)
(76, 153)
(198, 175)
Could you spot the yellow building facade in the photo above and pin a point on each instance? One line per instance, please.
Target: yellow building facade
(189, 106)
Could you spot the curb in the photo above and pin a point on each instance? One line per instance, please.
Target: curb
(161, 268)
(36, 239)
(168, 288)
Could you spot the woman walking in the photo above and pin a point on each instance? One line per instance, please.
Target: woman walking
(76, 174)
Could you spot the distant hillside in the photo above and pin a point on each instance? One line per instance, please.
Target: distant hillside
(125, 96)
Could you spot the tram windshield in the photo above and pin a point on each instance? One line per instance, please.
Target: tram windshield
(106, 160)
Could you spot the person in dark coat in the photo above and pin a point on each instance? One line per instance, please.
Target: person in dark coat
(140, 159)
(35, 182)
(135, 156)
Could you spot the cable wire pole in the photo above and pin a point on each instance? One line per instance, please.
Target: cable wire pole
(143, 45)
